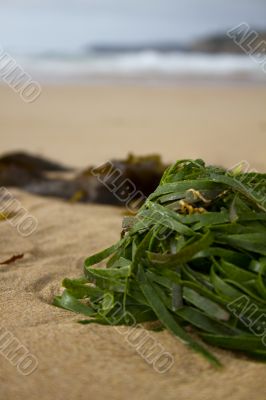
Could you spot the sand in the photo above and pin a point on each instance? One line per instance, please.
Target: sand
(83, 125)
(91, 362)
(95, 362)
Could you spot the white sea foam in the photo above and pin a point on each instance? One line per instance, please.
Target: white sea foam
(64, 67)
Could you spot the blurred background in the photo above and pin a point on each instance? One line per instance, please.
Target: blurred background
(141, 76)
(88, 39)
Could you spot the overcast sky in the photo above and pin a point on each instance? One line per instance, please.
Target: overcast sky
(70, 24)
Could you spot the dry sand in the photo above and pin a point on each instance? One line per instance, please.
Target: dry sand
(84, 125)
(94, 362)
(91, 362)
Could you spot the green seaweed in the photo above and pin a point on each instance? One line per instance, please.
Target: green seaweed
(193, 251)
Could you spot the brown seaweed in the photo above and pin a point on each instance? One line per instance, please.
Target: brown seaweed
(31, 162)
(101, 184)
(35, 175)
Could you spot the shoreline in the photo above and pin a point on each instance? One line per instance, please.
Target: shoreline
(144, 81)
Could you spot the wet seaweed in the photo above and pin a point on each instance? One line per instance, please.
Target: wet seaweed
(193, 256)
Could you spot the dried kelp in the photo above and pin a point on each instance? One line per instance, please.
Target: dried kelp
(102, 184)
(37, 175)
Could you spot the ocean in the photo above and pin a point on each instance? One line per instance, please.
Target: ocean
(141, 66)
(55, 40)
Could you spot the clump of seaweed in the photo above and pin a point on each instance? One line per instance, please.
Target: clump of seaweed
(41, 176)
(143, 172)
(194, 255)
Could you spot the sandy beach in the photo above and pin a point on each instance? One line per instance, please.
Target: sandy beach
(91, 362)
(88, 125)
